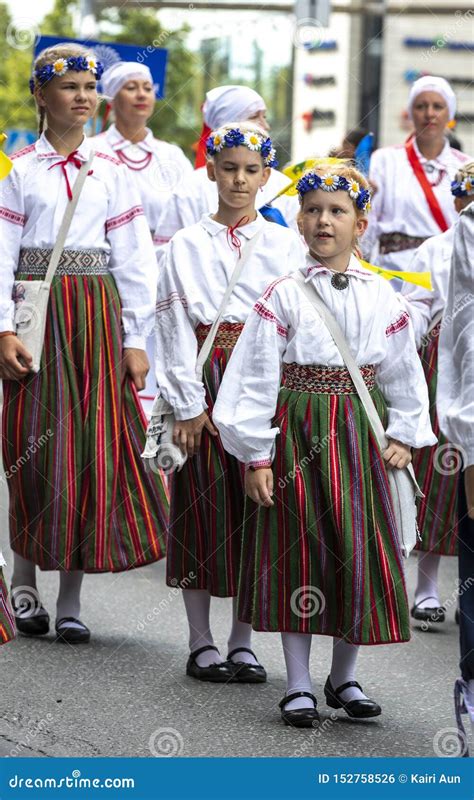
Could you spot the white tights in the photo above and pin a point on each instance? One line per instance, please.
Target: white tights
(198, 605)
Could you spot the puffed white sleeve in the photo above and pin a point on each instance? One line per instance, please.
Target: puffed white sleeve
(420, 303)
(132, 259)
(455, 390)
(376, 176)
(402, 381)
(176, 347)
(12, 221)
(248, 395)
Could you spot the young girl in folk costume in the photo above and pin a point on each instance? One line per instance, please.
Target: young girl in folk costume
(323, 556)
(437, 468)
(413, 200)
(207, 497)
(7, 625)
(158, 167)
(80, 499)
(198, 195)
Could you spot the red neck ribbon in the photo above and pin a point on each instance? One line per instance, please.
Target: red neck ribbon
(232, 238)
(71, 159)
(431, 198)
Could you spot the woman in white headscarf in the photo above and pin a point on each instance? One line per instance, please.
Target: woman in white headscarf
(413, 199)
(158, 167)
(198, 195)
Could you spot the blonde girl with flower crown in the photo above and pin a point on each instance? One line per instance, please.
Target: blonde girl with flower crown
(80, 499)
(322, 555)
(207, 495)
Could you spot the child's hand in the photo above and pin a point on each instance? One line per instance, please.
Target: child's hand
(15, 360)
(135, 363)
(259, 486)
(187, 432)
(397, 455)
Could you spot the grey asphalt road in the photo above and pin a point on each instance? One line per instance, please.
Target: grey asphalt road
(126, 694)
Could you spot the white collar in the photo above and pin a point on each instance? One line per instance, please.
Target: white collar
(249, 230)
(44, 149)
(442, 160)
(313, 268)
(118, 142)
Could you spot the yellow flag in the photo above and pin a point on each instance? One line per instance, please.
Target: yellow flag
(418, 278)
(5, 163)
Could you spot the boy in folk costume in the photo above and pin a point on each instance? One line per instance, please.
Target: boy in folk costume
(323, 556)
(207, 497)
(437, 468)
(81, 500)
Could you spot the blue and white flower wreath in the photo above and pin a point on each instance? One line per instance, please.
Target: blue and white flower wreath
(59, 67)
(462, 188)
(234, 137)
(333, 183)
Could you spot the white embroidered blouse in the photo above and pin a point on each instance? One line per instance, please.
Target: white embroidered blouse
(109, 217)
(284, 327)
(194, 276)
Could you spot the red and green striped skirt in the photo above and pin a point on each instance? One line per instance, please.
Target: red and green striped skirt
(325, 559)
(80, 498)
(437, 471)
(207, 498)
(7, 624)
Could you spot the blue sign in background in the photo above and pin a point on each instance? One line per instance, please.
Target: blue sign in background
(110, 53)
(237, 778)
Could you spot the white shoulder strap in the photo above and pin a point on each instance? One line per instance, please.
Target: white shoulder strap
(349, 360)
(67, 219)
(209, 341)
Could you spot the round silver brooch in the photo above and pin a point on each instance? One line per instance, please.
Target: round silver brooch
(339, 281)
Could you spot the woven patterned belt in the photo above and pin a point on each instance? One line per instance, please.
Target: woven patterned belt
(396, 242)
(324, 380)
(227, 334)
(35, 260)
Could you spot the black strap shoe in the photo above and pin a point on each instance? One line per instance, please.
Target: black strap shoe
(300, 717)
(36, 624)
(429, 614)
(68, 634)
(357, 709)
(246, 673)
(216, 673)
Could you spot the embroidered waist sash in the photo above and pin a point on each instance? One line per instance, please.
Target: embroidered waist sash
(35, 260)
(324, 380)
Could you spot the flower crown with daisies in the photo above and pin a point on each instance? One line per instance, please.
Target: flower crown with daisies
(234, 137)
(42, 75)
(463, 188)
(332, 183)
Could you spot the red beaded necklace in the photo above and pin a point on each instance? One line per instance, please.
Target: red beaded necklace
(131, 163)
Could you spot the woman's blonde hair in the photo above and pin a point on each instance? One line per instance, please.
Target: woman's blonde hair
(48, 56)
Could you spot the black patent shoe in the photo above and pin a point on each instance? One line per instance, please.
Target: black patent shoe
(300, 717)
(432, 614)
(246, 673)
(68, 634)
(216, 673)
(35, 624)
(357, 709)
(38, 625)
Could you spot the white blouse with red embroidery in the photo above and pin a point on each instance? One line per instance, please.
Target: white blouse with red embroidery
(109, 217)
(285, 327)
(193, 278)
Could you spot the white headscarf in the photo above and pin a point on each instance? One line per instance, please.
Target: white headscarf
(115, 77)
(225, 103)
(430, 83)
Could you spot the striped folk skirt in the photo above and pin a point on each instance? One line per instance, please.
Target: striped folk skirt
(80, 498)
(207, 497)
(7, 624)
(325, 559)
(437, 470)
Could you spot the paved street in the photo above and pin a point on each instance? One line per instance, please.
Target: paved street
(114, 697)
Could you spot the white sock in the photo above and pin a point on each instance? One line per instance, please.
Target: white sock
(24, 592)
(296, 649)
(198, 605)
(240, 636)
(344, 658)
(69, 598)
(427, 585)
